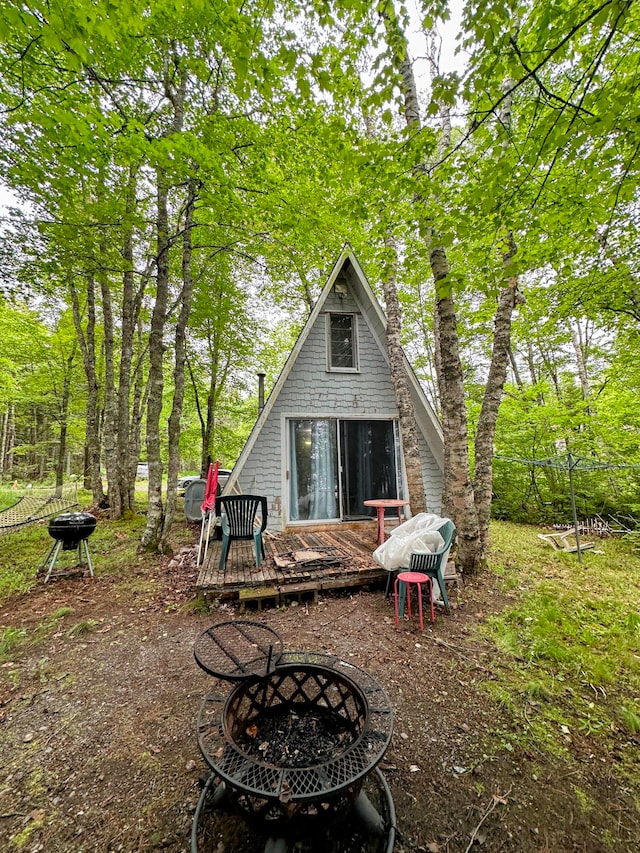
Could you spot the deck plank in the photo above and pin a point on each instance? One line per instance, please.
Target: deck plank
(352, 547)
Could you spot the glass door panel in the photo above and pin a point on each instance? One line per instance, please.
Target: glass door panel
(313, 466)
(368, 462)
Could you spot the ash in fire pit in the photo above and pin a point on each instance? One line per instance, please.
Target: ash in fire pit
(296, 738)
(297, 717)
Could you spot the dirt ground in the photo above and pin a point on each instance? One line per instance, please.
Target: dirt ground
(98, 727)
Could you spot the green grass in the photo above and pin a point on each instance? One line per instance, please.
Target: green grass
(113, 547)
(8, 497)
(114, 553)
(12, 638)
(569, 645)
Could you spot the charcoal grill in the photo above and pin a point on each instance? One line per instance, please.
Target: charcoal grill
(293, 745)
(70, 531)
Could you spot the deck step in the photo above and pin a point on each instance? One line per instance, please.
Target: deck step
(267, 595)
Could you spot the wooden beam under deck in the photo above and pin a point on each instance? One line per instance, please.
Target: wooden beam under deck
(350, 547)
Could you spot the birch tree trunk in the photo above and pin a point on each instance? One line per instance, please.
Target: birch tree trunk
(3, 443)
(400, 382)
(87, 342)
(460, 503)
(129, 315)
(64, 424)
(399, 378)
(579, 348)
(138, 405)
(492, 397)
(110, 397)
(152, 535)
(178, 372)
(175, 81)
(514, 369)
(500, 356)
(458, 498)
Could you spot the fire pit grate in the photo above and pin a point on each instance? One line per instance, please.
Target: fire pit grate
(237, 650)
(304, 680)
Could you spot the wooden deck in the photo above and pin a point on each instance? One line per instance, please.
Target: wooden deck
(331, 559)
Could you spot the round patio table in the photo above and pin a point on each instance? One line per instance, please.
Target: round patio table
(381, 504)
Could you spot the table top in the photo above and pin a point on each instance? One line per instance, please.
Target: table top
(413, 577)
(386, 502)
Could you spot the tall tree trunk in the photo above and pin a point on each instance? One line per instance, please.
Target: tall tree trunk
(128, 321)
(64, 424)
(3, 444)
(486, 429)
(175, 81)
(509, 297)
(179, 365)
(458, 497)
(209, 421)
(399, 378)
(217, 379)
(517, 379)
(400, 382)
(11, 439)
(458, 488)
(579, 348)
(152, 535)
(139, 400)
(116, 505)
(87, 343)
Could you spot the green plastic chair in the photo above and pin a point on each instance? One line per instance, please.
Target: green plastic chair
(238, 517)
(432, 565)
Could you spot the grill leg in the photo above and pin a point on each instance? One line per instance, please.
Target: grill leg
(54, 557)
(85, 542)
(44, 563)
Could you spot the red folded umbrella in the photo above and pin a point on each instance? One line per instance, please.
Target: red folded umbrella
(211, 488)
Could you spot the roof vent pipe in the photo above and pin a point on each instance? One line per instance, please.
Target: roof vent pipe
(261, 392)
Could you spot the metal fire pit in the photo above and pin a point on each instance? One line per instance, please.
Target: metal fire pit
(248, 740)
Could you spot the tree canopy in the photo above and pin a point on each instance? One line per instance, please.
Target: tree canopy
(187, 171)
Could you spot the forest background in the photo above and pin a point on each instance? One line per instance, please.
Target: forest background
(186, 174)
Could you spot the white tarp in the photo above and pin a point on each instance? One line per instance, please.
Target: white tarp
(419, 534)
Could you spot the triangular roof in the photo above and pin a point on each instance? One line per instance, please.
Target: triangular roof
(427, 419)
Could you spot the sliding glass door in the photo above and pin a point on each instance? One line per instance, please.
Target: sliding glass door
(335, 465)
(368, 464)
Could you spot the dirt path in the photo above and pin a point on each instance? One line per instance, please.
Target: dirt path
(99, 749)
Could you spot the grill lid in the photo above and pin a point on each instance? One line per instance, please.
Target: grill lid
(72, 527)
(237, 650)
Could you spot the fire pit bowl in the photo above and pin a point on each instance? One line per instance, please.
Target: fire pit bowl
(71, 528)
(298, 742)
(298, 717)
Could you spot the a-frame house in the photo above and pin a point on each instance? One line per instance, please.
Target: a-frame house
(328, 437)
